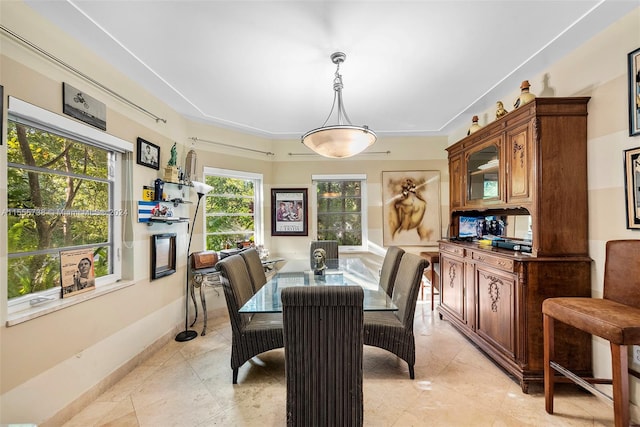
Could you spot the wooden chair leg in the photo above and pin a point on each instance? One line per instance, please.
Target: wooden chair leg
(549, 354)
(619, 367)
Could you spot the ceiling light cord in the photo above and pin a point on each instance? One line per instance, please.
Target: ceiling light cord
(342, 139)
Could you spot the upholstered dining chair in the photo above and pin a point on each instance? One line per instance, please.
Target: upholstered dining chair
(323, 347)
(615, 317)
(256, 270)
(389, 268)
(331, 250)
(251, 334)
(393, 330)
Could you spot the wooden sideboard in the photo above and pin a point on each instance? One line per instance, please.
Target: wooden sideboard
(530, 163)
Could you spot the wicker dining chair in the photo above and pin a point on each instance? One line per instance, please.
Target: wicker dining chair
(389, 268)
(256, 270)
(252, 334)
(393, 330)
(323, 347)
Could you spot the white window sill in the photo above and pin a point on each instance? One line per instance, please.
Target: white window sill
(60, 304)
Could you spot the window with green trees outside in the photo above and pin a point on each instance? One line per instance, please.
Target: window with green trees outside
(230, 208)
(59, 197)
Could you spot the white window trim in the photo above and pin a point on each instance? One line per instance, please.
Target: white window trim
(365, 206)
(19, 309)
(258, 217)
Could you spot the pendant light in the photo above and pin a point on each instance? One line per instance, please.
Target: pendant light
(343, 139)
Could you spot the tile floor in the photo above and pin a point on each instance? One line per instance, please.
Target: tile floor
(189, 384)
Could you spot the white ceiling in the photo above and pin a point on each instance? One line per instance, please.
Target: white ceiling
(263, 67)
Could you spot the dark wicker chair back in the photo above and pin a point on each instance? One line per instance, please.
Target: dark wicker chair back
(251, 334)
(393, 331)
(389, 268)
(323, 355)
(407, 286)
(256, 270)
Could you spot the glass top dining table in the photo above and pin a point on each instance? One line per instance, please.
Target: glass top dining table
(347, 272)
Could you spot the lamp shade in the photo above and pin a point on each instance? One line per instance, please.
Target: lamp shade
(201, 188)
(339, 141)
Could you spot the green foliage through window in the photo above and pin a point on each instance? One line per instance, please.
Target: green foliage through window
(230, 215)
(58, 197)
(340, 211)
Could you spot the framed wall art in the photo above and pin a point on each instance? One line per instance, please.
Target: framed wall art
(632, 186)
(148, 154)
(634, 92)
(83, 107)
(77, 274)
(411, 208)
(289, 212)
(163, 255)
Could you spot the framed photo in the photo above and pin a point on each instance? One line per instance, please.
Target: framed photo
(148, 154)
(634, 92)
(411, 208)
(163, 255)
(77, 274)
(632, 186)
(289, 212)
(81, 106)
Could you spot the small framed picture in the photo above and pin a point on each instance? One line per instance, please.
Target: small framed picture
(83, 107)
(148, 154)
(632, 186)
(77, 273)
(163, 255)
(634, 92)
(289, 212)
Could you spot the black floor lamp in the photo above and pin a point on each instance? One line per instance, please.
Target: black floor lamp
(186, 335)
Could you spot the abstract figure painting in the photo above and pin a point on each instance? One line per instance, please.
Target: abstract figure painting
(411, 208)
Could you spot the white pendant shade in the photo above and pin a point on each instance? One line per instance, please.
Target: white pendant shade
(339, 141)
(344, 139)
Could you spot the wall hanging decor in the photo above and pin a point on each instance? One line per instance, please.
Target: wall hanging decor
(411, 208)
(289, 212)
(148, 154)
(633, 59)
(163, 255)
(77, 274)
(632, 186)
(83, 107)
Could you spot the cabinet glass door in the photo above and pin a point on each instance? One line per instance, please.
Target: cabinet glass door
(483, 168)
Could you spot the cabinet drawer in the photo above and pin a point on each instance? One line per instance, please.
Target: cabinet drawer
(498, 262)
(452, 249)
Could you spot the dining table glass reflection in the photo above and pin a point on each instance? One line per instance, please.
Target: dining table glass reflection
(349, 272)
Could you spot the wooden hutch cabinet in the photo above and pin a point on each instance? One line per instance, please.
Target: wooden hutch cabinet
(530, 166)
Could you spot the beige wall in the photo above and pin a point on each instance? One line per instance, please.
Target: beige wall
(58, 358)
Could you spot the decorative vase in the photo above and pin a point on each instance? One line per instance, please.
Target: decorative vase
(474, 125)
(525, 96)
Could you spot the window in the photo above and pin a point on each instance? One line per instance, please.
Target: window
(341, 208)
(230, 214)
(62, 191)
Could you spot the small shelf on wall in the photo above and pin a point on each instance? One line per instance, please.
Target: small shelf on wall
(166, 220)
(157, 211)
